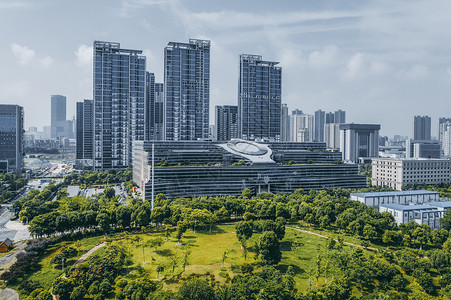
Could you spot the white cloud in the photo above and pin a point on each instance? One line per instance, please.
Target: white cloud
(46, 61)
(416, 72)
(354, 66)
(379, 68)
(84, 55)
(320, 59)
(23, 53)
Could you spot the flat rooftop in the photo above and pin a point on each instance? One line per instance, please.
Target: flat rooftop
(409, 207)
(394, 193)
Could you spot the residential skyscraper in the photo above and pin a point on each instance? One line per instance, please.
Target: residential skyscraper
(332, 135)
(259, 98)
(301, 127)
(84, 134)
(159, 111)
(226, 120)
(446, 138)
(285, 124)
(119, 103)
(330, 118)
(150, 106)
(340, 117)
(11, 137)
(318, 131)
(441, 128)
(422, 128)
(359, 140)
(187, 90)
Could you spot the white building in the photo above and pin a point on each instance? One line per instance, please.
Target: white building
(398, 172)
(446, 138)
(420, 213)
(301, 128)
(375, 199)
(332, 135)
(359, 140)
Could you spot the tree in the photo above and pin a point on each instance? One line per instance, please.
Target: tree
(422, 235)
(246, 194)
(243, 232)
(160, 268)
(123, 216)
(103, 221)
(445, 222)
(269, 248)
(279, 229)
(181, 228)
(109, 192)
(62, 287)
(78, 293)
(196, 289)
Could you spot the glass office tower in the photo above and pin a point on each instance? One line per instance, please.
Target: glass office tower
(119, 103)
(11, 138)
(187, 90)
(259, 99)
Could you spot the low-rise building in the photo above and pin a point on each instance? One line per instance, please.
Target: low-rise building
(375, 199)
(395, 173)
(420, 213)
(200, 168)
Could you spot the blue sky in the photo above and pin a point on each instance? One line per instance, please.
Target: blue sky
(381, 61)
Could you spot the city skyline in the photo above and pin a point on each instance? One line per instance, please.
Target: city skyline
(369, 59)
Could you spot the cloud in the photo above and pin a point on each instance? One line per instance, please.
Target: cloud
(320, 59)
(416, 72)
(23, 53)
(46, 62)
(84, 55)
(354, 66)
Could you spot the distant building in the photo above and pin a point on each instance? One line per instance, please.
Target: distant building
(301, 128)
(446, 139)
(59, 126)
(259, 99)
(442, 123)
(159, 112)
(375, 199)
(423, 149)
(226, 118)
(11, 137)
(6, 245)
(119, 103)
(318, 130)
(285, 124)
(422, 128)
(359, 140)
(395, 173)
(150, 106)
(85, 134)
(332, 135)
(187, 90)
(340, 117)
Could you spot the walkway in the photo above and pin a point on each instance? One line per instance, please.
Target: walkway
(326, 237)
(87, 254)
(9, 294)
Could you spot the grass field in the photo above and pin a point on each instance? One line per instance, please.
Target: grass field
(204, 252)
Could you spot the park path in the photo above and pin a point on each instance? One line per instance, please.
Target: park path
(9, 294)
(87, 254)
(326, 237)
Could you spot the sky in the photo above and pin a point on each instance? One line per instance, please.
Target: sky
(383, 61)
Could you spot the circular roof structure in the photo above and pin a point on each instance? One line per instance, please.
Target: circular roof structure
(247, 147)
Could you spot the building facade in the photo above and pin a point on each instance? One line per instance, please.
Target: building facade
(301, 128)
(340, 117)
(226, 118)
(201, 168)
(423, 149)
(332, 135)
(375, 199)
(187, 90)
(11, 137)
(395, 173)
(421, 128)
(284, 124)
(84, 134)
(119, 104)
(318, 130)
(359, 140)
(59, 126)
(259, 99)
(446, 139)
